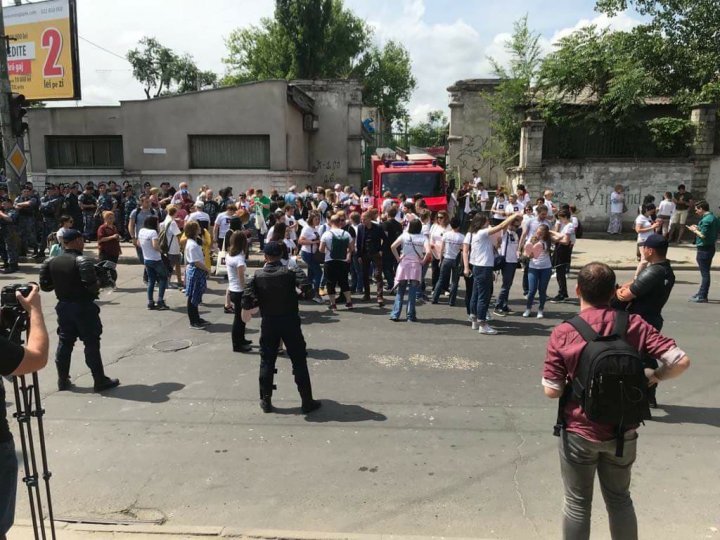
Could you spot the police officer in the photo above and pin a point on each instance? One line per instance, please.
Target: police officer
(71, 205)
(649, 292)
(72, 276)
(50, 210)
(273, 289)
(26, 205)
(8, 236)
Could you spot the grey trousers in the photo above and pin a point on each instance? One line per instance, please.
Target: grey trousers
(579, 459)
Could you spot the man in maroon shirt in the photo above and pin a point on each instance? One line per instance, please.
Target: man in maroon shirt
(585, 446)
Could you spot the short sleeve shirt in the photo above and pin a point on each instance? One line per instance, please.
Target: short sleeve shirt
(173, 231)
(643, 222)
(145, 238)
(327, 239)
(482, 252)
(193, 252)
(683, 200)
(233, 263)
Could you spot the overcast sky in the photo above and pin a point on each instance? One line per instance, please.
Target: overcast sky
(448, 40)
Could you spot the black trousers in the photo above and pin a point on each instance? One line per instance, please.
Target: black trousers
(562, 257)
(79, 320)
(193, 313)
(238, 327)
(435, 272)
(274, 328)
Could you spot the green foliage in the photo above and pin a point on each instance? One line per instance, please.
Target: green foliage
(310, 39)
(592, 66)
(671, 134)
(432, 132)
(514, 94)
(679, 46)
(161, 71)
(387, 80)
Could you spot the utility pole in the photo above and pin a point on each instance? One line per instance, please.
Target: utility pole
(8, 138)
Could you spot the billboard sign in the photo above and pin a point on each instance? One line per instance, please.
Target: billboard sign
(43, 50)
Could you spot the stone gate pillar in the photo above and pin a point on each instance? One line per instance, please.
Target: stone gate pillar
(703, 116)
(529, 169)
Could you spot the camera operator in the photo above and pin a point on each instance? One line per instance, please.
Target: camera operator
(74, 279)
(18, 360)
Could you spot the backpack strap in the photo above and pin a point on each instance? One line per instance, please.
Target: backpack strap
(583, 328)
(620, 327)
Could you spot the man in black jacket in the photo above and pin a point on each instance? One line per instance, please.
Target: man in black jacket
(74, 280)
(370, 243)
(649, 292)
(273, 290)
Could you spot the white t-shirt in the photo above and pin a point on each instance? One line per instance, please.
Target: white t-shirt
(498, 208)
(414, 246)
(290, 221)
(643, 222)
(233, 263)
(453, 243)
(436, 237)
(199, 216)
(542, 261)
(525, 200)
(482, 195)
(575, 222)
(172, 235)
(509, 246)
(145, 238)
(569, 229)
(223, 223)
(309, 233)
(551, 208)
(666, 208)
(513, 208)
(534, 224)
(327, 239)
(193, 252)
(481, 247)
(617, 201)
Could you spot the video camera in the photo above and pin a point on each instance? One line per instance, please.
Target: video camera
(13, 317)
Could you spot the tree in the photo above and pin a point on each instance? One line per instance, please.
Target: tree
(388, 81)
(161, 71)
(309, 39)
(514, 94)
(432, 132)
(600, 68)
(679, 46)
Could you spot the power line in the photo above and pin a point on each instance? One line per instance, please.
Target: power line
(103, 48)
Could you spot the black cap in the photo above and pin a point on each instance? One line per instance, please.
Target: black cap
(655, 241)
(72, 234)
(273, 249)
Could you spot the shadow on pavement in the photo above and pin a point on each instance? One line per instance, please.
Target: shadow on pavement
(327, 354)
(218, 328)
(332, 411)
(317, 317)
(683, 414)
(157, 393)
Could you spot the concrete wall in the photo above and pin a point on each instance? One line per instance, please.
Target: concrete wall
(335, 149)
(470, 131)
(588, 184)
(713, 189)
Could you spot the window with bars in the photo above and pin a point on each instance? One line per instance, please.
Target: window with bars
(229, 151)
(92, 152)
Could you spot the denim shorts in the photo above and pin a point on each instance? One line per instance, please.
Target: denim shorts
(8, 485)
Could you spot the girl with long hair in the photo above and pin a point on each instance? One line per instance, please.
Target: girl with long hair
(196, 273)
(415, 253)
(236, 265)
(537, 249)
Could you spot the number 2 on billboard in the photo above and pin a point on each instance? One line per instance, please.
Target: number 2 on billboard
(52, 40)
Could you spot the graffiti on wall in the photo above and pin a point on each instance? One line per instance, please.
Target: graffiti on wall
(327, 171)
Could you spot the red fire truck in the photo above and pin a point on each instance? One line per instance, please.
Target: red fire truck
(409, 174)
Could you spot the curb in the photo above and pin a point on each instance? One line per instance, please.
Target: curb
(158, 532)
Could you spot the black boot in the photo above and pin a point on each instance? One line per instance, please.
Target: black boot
(105, 383)
(266, 389)
(305, 389)
(652, 400)
(64, 383)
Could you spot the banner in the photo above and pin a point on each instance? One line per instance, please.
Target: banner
(43, 50)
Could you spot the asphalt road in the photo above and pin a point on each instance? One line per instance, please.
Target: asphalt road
(426, 428)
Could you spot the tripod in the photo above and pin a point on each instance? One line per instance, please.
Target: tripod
(28, 406)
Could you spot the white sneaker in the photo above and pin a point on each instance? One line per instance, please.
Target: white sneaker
(526, 314)
(540, 315)
(475, 325)
(471, 318)
(488, 316)
(487, 330)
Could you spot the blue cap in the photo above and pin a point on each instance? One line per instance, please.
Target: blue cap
(72, 234)
(655, 241)
(273, 249)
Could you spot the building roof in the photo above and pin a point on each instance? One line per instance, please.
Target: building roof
(474, 85)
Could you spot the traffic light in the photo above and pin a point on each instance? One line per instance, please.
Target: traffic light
(18, 109)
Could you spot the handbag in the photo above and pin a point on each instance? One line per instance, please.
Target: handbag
(220, 267)
(318, 256)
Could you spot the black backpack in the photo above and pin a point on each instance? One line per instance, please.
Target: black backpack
(610, 383)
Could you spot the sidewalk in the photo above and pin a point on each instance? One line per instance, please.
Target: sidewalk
(78, 531)
(619, 254)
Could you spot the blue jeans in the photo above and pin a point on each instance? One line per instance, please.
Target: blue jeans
(8, 485)
(508, 275)
(538, 279)
(411, 287)
(704, 259)
(157, 273)
(314, 270)
(449, 276)
(482, 291)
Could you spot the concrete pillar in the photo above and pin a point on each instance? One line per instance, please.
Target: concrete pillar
(704, 117)
(529, 170)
